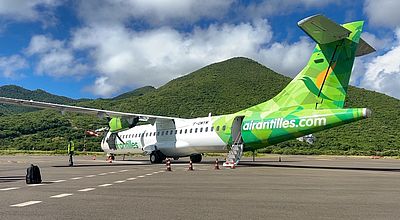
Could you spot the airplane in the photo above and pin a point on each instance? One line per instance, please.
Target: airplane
(313, 101)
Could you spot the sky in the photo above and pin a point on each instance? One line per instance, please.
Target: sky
(102, 48)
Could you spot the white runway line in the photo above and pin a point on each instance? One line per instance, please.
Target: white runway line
(61, 195)
(11, 188)
(40, 184)
(140, 176)
(149, 174)
(132, 178)
(121, 171)
(112, 172)
(102, 174)
(26, 204)
(58, 181)
(90, 176)
(120, 181)
(104, 185)
(86, 190)
(77, 178)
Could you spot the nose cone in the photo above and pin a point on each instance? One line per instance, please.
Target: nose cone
(367, 113)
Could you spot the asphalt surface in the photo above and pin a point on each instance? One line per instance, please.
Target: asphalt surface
(296, 188)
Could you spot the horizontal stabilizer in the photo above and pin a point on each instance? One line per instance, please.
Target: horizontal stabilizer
(364, 48)
(323, 30)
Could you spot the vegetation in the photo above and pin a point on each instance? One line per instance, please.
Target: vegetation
(219, 88)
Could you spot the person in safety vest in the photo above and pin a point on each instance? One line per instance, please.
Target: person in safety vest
(71, 149)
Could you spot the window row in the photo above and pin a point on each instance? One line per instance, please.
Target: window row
(174, 132)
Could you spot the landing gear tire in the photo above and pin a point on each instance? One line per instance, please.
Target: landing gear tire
(157, 157)
(196, 158)
(176, 158)
(111, 157)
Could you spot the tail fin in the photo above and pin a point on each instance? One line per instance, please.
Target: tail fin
(323, 82)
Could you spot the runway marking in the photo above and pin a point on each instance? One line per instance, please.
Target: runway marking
(61, 195)
(26, 203)
(132, 178)
(120, 181)
(162, 171)
(76, 178)
(121, 171)
(11, 188)
(102, 174)
(86, 190)
(140, 176)
(104, 185)
(112, 172)
(58, 181)
(149, 174)
(90, 176)
(40, 184)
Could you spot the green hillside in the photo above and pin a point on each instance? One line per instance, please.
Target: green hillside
(137, 92)
(12, 91)
(220, 88)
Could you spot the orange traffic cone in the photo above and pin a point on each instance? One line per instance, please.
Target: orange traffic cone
(190, 166)
(216, 166)
(168, 163)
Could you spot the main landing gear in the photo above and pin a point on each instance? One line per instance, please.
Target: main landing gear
(110, 157)
(196, 158)
(157, 157)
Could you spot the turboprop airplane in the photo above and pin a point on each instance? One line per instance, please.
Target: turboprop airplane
(313, 101)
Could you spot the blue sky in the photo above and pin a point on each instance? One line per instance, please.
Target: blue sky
(103, 48)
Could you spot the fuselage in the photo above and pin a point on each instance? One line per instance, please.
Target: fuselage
(185, 137)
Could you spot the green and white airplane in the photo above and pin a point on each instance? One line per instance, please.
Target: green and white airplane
(313, 101)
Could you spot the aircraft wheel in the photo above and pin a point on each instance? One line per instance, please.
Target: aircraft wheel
(176, 158)
(196, 158)
(153, 157)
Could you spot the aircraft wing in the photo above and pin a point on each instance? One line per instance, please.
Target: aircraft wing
(69, 108)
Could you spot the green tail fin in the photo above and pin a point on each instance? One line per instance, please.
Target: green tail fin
(323, 82)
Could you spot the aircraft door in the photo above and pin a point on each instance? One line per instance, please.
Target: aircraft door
(236, 130)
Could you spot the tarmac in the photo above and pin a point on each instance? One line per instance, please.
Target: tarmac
(298, 187)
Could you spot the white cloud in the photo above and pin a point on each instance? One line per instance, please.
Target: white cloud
(11, 65)
(287, 59)
(277, 7)
(382, 73)
(26, 9)
(55, 58)
(383, 13)
(152, 11)
(125, 58)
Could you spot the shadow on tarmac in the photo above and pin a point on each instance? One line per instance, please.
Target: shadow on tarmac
(263, 164)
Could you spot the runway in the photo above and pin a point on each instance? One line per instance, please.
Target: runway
(299, 187)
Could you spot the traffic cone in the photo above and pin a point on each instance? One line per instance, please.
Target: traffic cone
(216, 166)
(190, 166)
(168, 163)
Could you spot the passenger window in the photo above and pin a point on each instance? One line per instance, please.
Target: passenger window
(212, 129)
(171, 132)
(195, 130)
(185, 131)
(217, 128)
(191, 130)
(206, 129)
(201, 129)
(224, 128)
(176, 131)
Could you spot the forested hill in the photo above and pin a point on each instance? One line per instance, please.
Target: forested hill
(12, 91)
(219, 88)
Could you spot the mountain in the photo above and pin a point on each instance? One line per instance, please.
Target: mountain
(12, 91)
(137, 92)
(219, 88)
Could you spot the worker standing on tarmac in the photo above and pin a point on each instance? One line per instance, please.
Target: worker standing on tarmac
(71, 149)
